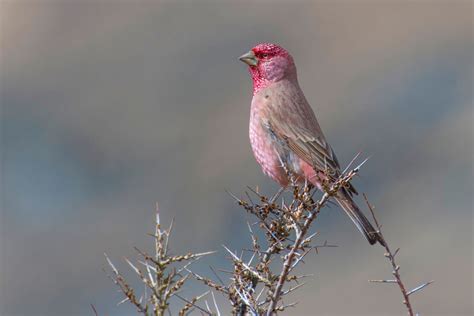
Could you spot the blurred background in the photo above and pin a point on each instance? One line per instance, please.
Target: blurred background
(111, 106)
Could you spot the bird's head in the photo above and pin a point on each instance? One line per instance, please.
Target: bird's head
(269, 63)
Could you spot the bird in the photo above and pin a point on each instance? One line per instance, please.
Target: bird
(285, 135)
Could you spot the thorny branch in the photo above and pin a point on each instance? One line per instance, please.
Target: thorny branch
(261, 281)
(161, 275)
(300, 232)
(395, 267)
(257, 287)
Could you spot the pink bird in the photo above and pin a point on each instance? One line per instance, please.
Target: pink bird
(284, 130)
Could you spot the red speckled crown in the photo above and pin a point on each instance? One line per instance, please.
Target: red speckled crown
(269, 48)
(274, 63)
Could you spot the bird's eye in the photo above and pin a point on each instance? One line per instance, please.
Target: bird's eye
(264, 55)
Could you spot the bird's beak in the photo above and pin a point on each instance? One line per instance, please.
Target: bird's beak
(249, 58)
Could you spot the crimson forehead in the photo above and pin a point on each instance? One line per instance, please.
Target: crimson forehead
(267, 47)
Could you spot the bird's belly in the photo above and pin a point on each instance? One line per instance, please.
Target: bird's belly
(266, 153)
(266, 150)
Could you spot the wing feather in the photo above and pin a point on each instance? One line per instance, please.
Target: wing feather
(313, 149)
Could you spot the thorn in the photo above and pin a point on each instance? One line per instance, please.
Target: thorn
(251, 259)
(197, 298)
(111, 264)
(170, 229)
(250, 199)
(123, 301)
(259, 294)
(207, 306)
(308, 239)
(277, 195)
(352, 161)
(137, 271)
(233, 196)
(157, 208)
(293, 289)
(204, 253)
(255, 191)
(356, 169)
(419, 288)
(95, 311)
(250, 228)
(395, 253)
(232, 254)
(215, 304)
(217, 276)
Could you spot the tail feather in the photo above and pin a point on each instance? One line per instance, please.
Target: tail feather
(355, 214)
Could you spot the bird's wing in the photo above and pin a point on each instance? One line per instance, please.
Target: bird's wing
(310, 147)
(307, 145)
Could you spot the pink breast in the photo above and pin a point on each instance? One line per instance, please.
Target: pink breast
(264, 151)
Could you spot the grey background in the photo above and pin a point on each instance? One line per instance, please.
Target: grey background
(110, 106)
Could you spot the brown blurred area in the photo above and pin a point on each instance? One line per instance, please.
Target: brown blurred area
(110, 106)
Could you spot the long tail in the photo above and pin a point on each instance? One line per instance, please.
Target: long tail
(356, 215)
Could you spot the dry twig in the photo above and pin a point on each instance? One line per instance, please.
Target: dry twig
(255, 287)
(259, 283)
(395, 267)
(161, 274)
